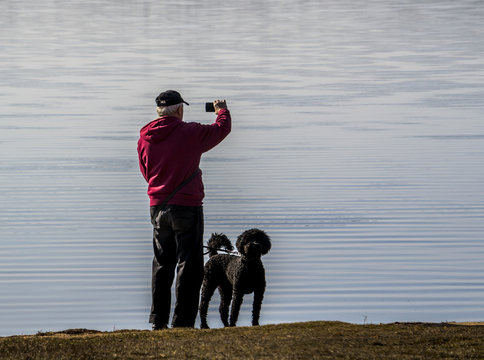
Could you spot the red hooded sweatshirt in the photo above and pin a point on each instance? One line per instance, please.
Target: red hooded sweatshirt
(169, 151)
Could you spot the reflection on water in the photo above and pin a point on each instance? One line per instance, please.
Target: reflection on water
(357, 145)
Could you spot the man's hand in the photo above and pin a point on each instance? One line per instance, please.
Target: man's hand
(219, 105)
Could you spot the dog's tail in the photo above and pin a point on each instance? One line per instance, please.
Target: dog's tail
(219, 242)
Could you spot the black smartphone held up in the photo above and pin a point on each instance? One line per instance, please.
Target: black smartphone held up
(209, 107)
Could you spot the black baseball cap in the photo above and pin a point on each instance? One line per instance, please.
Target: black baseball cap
(169, 97)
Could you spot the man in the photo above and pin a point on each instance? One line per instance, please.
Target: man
(169, 153)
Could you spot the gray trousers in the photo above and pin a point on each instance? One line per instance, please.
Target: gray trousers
(177, 243)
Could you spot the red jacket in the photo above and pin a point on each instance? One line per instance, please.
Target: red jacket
(169, 151)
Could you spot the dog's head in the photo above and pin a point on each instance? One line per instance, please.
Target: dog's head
(253, 243)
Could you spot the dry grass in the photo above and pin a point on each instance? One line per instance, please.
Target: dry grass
(311, 340)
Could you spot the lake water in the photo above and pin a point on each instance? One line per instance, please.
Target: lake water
(357, 144)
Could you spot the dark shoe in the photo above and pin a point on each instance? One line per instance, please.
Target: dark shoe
(160, 326)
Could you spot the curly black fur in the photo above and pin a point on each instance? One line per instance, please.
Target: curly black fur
(235, 276)
(218, 242)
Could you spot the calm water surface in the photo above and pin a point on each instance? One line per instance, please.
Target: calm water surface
(357, 144)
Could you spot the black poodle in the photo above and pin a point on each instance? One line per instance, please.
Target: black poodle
(235, 276)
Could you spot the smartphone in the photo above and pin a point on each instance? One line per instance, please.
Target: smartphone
(209, 107)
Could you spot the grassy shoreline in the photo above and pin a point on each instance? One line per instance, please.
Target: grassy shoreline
(308, 340)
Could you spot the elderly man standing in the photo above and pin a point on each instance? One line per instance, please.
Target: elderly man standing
(169, 152)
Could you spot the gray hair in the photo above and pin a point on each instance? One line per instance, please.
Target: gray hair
(168, 110)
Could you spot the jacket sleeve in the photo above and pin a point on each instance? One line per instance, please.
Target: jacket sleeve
(212, 135)
(142, 164)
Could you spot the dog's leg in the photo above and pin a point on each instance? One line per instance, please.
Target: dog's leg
(207, 292)
(225, 299)
(237, 297)
(258, 297)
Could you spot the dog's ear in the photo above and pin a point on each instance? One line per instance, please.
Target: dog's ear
(264, 240)
(241, 241)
